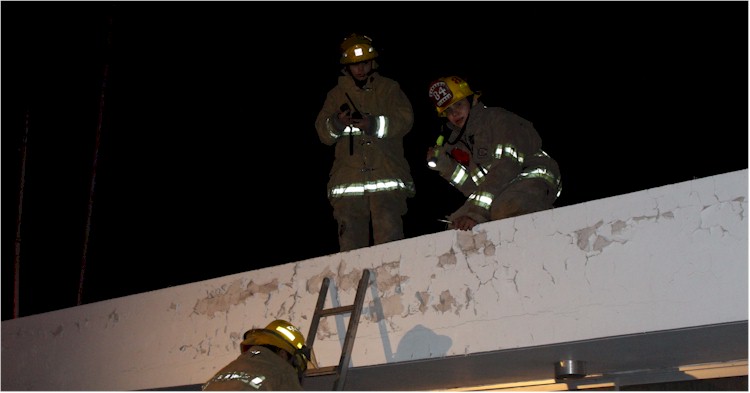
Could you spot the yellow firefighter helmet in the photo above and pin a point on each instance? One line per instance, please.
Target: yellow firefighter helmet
(283, 335)
(357, 48)
(446, 91)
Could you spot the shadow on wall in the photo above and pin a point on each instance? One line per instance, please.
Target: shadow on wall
(421, 343)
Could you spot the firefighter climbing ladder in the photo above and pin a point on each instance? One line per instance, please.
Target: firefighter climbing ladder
(355, 310)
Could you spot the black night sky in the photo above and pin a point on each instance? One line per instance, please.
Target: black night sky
(209, 163)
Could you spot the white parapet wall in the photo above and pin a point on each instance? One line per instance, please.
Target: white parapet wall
(665, 258)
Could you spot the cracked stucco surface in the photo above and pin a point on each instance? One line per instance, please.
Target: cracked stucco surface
(663, 258)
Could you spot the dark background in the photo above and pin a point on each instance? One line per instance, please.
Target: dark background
(209, 163)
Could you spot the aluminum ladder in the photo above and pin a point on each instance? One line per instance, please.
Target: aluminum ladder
(355, 310)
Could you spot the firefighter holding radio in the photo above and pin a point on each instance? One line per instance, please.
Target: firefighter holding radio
(365, 118)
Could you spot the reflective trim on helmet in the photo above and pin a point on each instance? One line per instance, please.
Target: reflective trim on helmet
(357, 48)
(289, 336)
(358, 53)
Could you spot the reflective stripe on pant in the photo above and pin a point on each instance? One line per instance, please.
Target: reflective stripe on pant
(353, 217)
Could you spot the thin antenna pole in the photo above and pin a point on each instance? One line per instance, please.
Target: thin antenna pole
(92, 185)
(17, 256)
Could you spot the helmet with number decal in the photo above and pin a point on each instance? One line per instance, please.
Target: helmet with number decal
(357, 48)
(283, 335)
(446, 91)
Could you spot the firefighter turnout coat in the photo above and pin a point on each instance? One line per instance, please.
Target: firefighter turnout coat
(258, 368)
(368, 163)
(497, 162)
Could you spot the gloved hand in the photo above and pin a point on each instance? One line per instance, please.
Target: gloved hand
(437, 158)
(463, 223)
(367, 123)
(340, 121)
(467, 217)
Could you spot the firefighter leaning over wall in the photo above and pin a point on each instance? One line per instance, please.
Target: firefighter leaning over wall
(273, 358)
(494, 157)
(365, 117)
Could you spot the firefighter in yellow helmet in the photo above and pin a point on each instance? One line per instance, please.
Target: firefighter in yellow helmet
(365, 118)
(493, 156)
(272, 358)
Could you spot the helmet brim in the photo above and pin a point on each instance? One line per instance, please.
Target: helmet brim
(268, 337)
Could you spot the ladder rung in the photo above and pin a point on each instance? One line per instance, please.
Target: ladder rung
(337, 310)
(315, 372)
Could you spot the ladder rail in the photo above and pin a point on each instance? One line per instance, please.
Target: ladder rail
(317, 314)
(351, 331)
(355, 311)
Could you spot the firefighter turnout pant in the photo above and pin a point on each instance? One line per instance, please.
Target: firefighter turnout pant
(353, 215)
(523, 197)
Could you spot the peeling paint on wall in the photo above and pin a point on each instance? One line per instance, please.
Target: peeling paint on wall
(447, 259)
(324, 329)
(313, 284)
(347, 281)
(447, 302)
(385, 280)
(471, 243)
(596, 239)
(584, 234)
(424, 299)
(221, 299)
(469, 299)
(489, 249)
(392, 306)
(202, 349)
(600, 243)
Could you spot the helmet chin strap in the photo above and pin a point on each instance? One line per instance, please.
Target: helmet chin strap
(463, 129)
(359, 83)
